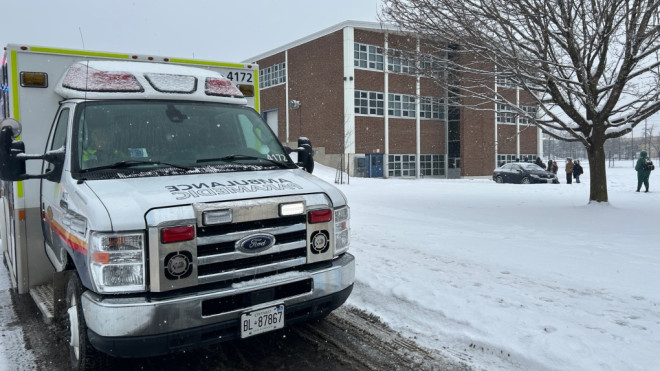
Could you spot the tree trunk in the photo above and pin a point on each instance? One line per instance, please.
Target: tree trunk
(598, 176)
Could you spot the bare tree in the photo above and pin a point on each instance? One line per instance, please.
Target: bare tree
(590, 66)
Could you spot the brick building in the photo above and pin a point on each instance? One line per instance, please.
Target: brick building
(353, 92)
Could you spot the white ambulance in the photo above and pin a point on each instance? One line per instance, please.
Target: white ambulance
(147, 207)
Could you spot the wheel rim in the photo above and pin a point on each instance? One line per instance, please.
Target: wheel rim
(525, 181)
(498, 179)
(74, 340)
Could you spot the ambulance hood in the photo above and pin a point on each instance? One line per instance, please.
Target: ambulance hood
(128, 200)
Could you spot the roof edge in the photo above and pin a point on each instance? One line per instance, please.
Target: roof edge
(339, 26)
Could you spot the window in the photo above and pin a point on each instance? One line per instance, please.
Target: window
(368, 56)
(505, 114)
(369, 103)
(404, 165)
(506, 81)
(529, 110)
(400, 62)
(401, 105)
(431, 65)
(432, 108)
(507, 158)
(272, 75)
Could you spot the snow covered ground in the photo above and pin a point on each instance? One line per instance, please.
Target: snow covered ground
(500, 276)
(509, 276)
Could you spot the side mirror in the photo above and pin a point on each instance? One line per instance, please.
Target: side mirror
(13, 157)
(305, 154)
(56, 158)
(12, 167)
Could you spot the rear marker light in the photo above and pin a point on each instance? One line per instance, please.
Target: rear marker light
(177, 234)
(319, 216)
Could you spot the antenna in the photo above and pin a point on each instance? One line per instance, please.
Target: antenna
(81, 37)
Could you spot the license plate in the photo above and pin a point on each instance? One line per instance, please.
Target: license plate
(262, 320)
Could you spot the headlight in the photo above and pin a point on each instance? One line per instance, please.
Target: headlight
(342, 228)
(116, 262)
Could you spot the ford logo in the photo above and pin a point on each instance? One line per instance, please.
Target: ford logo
(255, 243)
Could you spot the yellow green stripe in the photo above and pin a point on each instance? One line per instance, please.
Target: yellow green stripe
(207, 63)
(16, 107)
(39, 49)
(255, 78)
(14, 87)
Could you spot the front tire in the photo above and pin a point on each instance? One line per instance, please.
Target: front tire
(525, 180)
(82, 354)
(499, 179)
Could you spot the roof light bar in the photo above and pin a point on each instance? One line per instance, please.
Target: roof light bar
(81, 77)
(222, 87)
(168, 83)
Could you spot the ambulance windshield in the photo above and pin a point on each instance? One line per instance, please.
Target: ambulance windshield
(180, 135)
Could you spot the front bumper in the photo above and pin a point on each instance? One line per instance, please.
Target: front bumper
(141, 327)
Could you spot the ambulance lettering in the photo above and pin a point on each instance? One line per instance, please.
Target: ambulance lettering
(184, 191)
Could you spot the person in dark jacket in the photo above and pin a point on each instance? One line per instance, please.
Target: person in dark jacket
(539, 162)
(577, 170)
(549, 165)
(642, 172)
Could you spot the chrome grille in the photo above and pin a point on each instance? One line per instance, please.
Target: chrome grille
(219, 260)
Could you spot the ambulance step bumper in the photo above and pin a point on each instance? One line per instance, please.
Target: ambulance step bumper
(44, 298)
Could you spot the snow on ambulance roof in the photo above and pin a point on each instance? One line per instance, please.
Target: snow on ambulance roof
(121, 80)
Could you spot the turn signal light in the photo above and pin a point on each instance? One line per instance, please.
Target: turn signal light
(34, 79)
(319, 216)
(177, 234)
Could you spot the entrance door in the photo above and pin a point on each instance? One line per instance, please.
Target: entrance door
(271, 120)
(375, 169)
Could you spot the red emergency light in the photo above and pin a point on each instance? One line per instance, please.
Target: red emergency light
(84, 78)
(222, 87)
(177, 234)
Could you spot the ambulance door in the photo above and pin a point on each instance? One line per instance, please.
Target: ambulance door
(51, 205)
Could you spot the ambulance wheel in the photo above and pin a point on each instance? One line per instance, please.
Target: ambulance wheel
(82, 355)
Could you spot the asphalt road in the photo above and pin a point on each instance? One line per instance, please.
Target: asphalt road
(348, 339)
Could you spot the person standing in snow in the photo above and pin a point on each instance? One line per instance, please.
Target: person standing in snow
(569, 171)
(539, 162)
(555, 167)
(642, 172)
(549, 165)
(577, 171)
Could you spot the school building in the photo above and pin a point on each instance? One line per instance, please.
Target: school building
(353, 90)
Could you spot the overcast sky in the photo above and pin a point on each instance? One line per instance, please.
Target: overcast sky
(218, 30)
(204, 29)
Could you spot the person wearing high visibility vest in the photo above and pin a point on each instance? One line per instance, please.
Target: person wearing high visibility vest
(98, 151)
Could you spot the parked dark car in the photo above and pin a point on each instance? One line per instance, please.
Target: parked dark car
(523, 173)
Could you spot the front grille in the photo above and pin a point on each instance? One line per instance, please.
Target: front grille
(220, 260)
(254, 243)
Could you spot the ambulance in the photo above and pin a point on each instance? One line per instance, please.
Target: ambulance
(148, 208)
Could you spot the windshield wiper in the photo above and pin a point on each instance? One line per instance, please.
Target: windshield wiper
(281, 165)
(131, 163)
